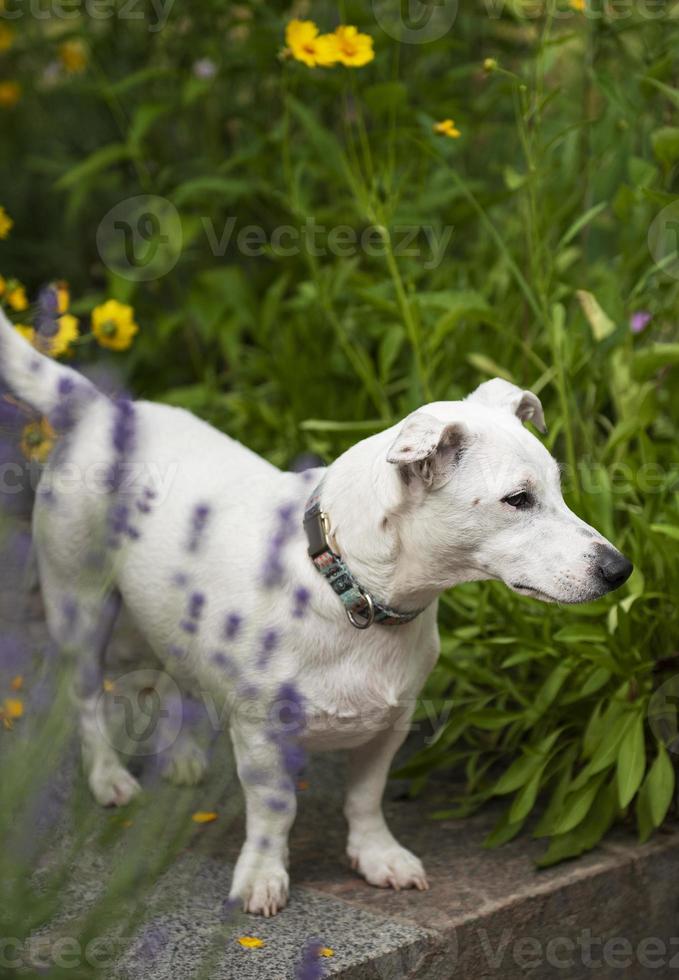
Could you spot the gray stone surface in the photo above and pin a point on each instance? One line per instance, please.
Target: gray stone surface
(488, 914)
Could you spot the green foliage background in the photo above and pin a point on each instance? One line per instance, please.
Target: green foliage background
(568, 152)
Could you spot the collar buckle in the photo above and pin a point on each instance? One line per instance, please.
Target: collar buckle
(317, 528)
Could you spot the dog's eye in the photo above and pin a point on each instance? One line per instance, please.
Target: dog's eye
(520, 499)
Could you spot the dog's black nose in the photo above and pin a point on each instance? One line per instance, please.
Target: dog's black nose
(614, 568)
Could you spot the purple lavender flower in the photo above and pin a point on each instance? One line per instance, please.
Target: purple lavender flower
(639, 321)
(302, 597)
(230, 907)
(227, 663)
(196, 604)
(311, 967)
(47, 315)
(232, 626)
(277, 804)
(13, 653)
(63, 416)
(199, 519)
(287, 723)
(305, 462)
(269, 642)
(154, 939)
(286, 527)
(291, 709)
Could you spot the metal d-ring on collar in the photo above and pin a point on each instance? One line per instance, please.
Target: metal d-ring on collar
(361, 607)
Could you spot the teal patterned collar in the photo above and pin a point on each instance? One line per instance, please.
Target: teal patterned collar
(362, 609)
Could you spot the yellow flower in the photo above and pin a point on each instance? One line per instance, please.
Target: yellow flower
(73, 56)
(6, 224)
(353, 49)
(204, 816)
(63, 295)
(250, 942)
(447, 128)
(578, 5)
(306, 45)
(11, 709)
(490, 64)
(64, 337)
(37, 440)
(113, 325)
(108, 686)
(28, 333)
(326, 951)
(6, 37)
(16, 297)
(10, 93)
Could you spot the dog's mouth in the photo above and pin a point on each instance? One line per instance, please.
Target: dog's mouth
(523, 589)
(572, 600)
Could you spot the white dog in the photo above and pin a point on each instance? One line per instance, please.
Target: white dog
(231, 569)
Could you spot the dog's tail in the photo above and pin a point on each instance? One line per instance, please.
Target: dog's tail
(36, 379)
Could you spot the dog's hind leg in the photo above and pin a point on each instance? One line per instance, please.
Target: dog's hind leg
(84, 625)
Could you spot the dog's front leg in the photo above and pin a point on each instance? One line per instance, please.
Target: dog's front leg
(371, 847)
(260, 878)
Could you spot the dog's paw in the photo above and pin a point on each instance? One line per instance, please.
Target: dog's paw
(186, 766)
(388, 865)
(112, 784)
(262, 886)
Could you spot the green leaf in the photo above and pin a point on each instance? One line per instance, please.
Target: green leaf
(588, 834)
(649, 360)
(660, 782)
(487, 365)
(142, 121)
(140, 77)
(581, 634)
(606, 752)
(221, 190)
(546, 823)
(581, 222)
(524, 800)
(669, 530)
(601, 324)
(503, 831)
(577, 804)
(94, 164)
(671, 93)
(665, 143)
(631, 761)
(549, 690)
(595, 681)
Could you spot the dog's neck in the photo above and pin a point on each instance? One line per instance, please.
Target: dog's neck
(365, 501)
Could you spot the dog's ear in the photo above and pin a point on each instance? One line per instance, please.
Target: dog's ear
(427, 449)
(501, 394)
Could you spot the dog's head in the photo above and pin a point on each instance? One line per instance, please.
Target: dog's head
(483, 500)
